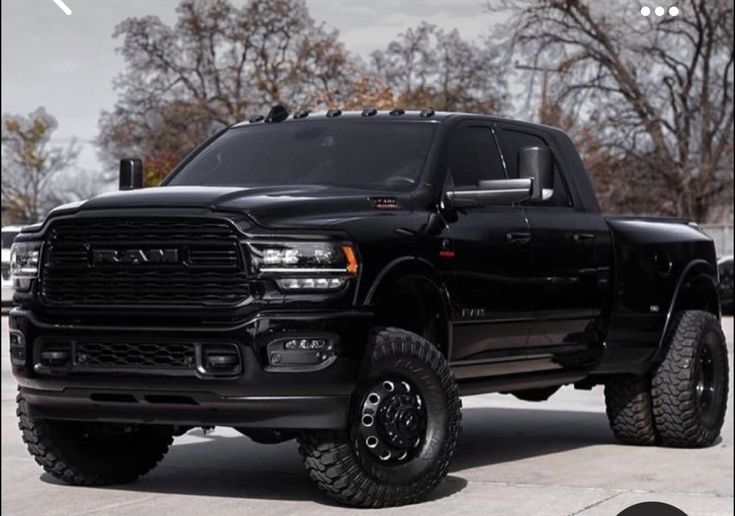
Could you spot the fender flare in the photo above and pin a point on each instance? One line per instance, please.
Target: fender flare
(427, 268)
(685, 274)
(415, 266)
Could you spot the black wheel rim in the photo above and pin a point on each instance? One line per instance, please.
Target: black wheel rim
(706, 383)
(392, 420)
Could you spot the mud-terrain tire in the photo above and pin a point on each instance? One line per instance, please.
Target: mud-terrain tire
(689, 387)
(407, 382)
(630, 410)
(92, 454)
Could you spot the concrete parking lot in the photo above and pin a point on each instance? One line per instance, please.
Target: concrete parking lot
(515, 458)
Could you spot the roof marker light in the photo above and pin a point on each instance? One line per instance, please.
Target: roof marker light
(278, 113)
(333, 113)
(398, 112)
(369, 112)
(426, 113)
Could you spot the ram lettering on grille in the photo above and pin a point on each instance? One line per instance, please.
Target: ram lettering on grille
(134, 256)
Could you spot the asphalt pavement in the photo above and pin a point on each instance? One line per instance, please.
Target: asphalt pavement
(515, 458)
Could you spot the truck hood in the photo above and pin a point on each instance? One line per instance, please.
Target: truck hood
(280, 206)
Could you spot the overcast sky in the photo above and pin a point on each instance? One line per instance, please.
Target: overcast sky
(67, 63)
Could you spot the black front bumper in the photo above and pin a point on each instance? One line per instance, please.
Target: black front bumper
(189, 408)
(258, 395)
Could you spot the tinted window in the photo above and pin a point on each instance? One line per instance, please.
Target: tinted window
(511, 142)
(353, 154)
(473, 157)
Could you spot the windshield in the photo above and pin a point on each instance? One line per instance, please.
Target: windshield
(8, 237)
(353, 154)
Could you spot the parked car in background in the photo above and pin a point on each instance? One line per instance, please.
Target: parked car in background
(9, 233)
(726, 284)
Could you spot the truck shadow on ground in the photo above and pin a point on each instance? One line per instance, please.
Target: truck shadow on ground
(225, 466)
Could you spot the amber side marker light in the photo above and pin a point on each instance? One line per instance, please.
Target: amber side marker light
(351, 259)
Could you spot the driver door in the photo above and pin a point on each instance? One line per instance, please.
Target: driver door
(491, 302)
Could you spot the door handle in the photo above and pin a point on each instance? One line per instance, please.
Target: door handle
(583, 237)
(518, 238)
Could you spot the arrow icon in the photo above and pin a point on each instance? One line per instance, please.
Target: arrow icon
(61, 5)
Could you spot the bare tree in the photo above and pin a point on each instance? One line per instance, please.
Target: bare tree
(217, 65)
(30, 164)
(657, 90)
(74, 185)
(428, 67)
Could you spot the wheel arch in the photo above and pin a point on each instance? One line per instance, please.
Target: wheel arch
(696, 289)
(415, 282)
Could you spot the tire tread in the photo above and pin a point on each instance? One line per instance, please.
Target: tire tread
(328, 455)
(629, 410)
(41, 440)
(674, 407)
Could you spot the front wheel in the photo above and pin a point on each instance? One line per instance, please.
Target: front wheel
(403, 428)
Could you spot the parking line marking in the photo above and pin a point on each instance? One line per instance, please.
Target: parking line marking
(61, 5)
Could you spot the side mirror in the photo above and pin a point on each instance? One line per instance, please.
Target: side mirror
(537, 163)
(131, 174)
(500, 192)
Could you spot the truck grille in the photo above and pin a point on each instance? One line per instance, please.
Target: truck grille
(143, 262)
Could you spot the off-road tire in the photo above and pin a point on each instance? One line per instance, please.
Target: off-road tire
(630, 410)
(681, 420)
(65, 449)
(342, 469)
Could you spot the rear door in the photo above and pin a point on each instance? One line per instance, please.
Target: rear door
(571, 256)
(492, 263)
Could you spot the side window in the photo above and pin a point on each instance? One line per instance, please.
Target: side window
(473, 157)
(511, 142)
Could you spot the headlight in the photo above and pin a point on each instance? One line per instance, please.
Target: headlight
(24, 264)
(305, 265)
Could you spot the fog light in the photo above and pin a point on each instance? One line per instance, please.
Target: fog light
(306, 353)
(305, 344)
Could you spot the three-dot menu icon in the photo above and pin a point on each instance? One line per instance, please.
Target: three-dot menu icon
(659, 11)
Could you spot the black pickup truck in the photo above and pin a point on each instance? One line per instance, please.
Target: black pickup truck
(343, 278)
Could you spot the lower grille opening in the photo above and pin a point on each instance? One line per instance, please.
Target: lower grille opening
(113, 397)
(170, 399)
(131, 356)
(134, 354)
